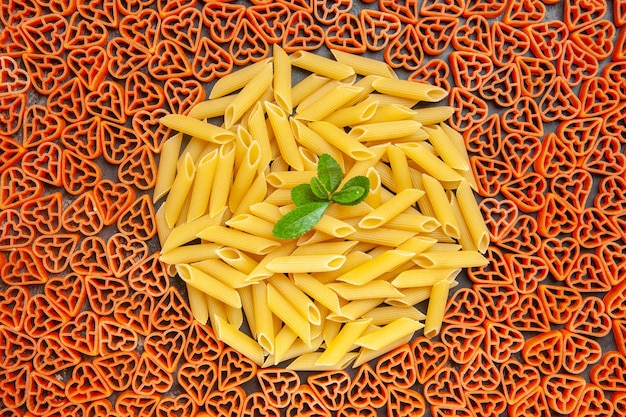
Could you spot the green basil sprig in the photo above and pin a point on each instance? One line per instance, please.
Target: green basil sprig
(313, 199)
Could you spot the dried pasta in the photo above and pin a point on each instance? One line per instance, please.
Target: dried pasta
(346, 291)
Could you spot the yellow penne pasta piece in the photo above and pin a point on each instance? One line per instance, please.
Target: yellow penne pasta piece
(473, 217)
(289, 179)
(366, 355)
(289, 314)
(399, 168)
(433, 115)
(381, 316)
(432, 165)
(348, 116)
(328, 103)
(314, 142)
(256, 194)
(413, 278)
(326, 248)
(238, 239)
(223, 178)
(245, 176)
(248, 96)
(387, 131)
(436, 308)
(391, 208)
(263, 318)
(307, 87)
(371, 289)
(209, 285)
(441, 205)
(239, 341)
(306, 263)
(249, 223)
(197, 128)
(363, 65)
(447, 260)
(197, 304)
(320, 65)
(341, 140)
(202, 184)
(166, 172)
(395, 330)
(319, 292)
(282, 78)
(308, 362)
(211, 108)
(184, 234)
(355, 309)
(445, 148)
(409, 89)
(237, 80)
(342, 343)
(297, 298)
(190, 253)
(179, 190)
(284, 136)
(222, 271)
(372, 269)
(390, 113)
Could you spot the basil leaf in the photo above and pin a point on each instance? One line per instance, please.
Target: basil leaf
(347, 195)
(318, 189)
(302, 194)
(329, 172)
(300, 220)
(358, 181)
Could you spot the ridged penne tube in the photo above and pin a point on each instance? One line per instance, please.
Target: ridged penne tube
(197, 128)
(399, 168)
(197, 147)
(239, 341)
(372, 269)
(237, 80)
(473, 217)
(361, 167)
(266, 211)
(223, 272)
(289, 179)
(306, 263)
(457, 140)
(466, 241)
(373, 199)
(223, 178)
(445, 148)
(314, 142)
(445, 247)
(166, 172)
(355, 309)
(409, 89)
(297, 298)
(163, 230)
(209, 285)
(249, 223)
(328, 103)
(417, 244)
(441, 205)
(387, 131)
(260, 272)
(391, 208)
(387, 99)
(334, 227)
(371, 289)
(366, 355)
(341, 140)
(284, 136)
(256, 194)
(238, 239)
(353, 259)
(428, 162)
(234, 316)
(289, 314)
(447, 260)
(237, 259)
(197, 304)
(325, 248)
(363, 65)
(307, 362)
(382, 236)
(423, 277)
(349, 212)
(257, 127)
(348, 116)
(211, 108)
(318, 291)
(179, 191)
(330, 331)
(248, 96)
(414, 223)
(243, 141)
(395, 330)
(263, 318)
(247, 305)
(190, 253)
(436, 308)
(245, 176)
(306, 87)
(321, 65)
(343, 343)
(202, 185)
(185, 233)
(282, 78)
(390, 113)
(385, 315)
(433, 115)
(284, 339)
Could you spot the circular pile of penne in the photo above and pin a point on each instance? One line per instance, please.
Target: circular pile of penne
(345, 292)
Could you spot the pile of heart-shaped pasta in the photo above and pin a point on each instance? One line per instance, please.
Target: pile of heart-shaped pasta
(346, 291)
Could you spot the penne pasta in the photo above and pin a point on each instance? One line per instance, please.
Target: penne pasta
(343, 343)
(209, 285)
(409, 89)
(341, 140)
(472, 216)
(387, 131)
(390, 208)
(372, 269)
(197, 128)
(211, 108)
(428, 162)
(190, 253)
(249, 223)
(306, 263)
(307, 87)
(446, 149)
(179, 190)
(446, 260)
(363, 65)
(282, 78)
(239, 341)
(166, 172)
(328, 103)
(320, 65)
(423, 277)
(198, 304)
(249, 95)
(319, 292)
(389, 333)
(441, 206)
(289, 314)
(238, 239)
(284, 136)
(371, 289)
(381, 316)
(433, 115)
(348, 116)
(223, 178)
(436, 308)
(237, 80)
(202, 185)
